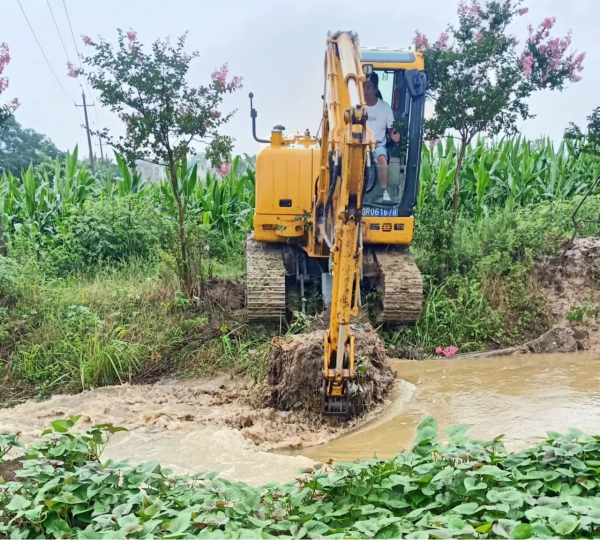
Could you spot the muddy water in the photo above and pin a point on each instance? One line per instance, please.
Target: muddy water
(194, 426)
(519, 396)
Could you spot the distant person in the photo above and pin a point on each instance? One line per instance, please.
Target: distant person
(380, 121)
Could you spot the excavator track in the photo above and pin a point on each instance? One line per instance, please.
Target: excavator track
(400, 284)
(265, 281)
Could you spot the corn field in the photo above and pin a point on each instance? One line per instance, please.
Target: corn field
(505, 175)
(511, 173)
(40, 202)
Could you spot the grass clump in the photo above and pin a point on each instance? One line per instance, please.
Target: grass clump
(463, 489)
(479, 276)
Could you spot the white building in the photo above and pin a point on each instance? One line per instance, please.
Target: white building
(151, 172)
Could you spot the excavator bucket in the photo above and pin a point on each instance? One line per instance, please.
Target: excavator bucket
(333, 404)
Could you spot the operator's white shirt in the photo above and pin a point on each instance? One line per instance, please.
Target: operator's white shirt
(380, 118)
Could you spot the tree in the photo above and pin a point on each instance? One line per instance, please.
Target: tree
(478, 79)
(6, 113)
(20, 148)
(164, 115)
(6, 110)
(589, 142)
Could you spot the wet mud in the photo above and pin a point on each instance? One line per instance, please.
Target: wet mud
(295, 375)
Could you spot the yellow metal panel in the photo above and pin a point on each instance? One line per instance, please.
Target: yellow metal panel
(285, 173)
(417, 64)
(392, 230)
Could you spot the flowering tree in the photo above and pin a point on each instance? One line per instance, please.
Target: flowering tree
(163, 114)
(6, 110)
(480, 80)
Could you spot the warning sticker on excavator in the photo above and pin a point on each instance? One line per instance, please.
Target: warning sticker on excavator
(370, 211)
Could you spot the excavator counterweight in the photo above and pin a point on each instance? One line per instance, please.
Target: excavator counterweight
(331, 208)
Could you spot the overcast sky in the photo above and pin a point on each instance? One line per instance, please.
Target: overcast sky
(276, 46)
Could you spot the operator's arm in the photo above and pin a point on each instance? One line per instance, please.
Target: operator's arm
(389, 121)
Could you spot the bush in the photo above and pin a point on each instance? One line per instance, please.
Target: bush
(107, 230)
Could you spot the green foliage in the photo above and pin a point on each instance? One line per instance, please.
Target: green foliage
(20, 148)
(589, 140)
(587, 311)
(507, 175)
(463, 489)
(75, 221)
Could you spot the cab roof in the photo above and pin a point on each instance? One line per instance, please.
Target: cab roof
(385, 54)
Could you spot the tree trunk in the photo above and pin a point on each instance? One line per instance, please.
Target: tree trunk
(461, 156)
(186, 276)
(2, 243)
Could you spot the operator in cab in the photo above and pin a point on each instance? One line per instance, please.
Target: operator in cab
(380, 120)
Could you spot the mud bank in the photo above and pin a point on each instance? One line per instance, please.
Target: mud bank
(570, 284)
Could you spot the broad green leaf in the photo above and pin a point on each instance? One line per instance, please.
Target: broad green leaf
(180, 523)
(466, 508)
(521, 531)
(18, 502)
(457, 434)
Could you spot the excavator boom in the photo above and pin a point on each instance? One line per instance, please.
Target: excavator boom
(346, 147)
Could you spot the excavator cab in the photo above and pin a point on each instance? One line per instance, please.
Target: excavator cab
(402, 83)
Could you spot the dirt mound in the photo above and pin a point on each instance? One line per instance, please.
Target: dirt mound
(225, 293)
(556, 340)
(570, 283)
(295, 373)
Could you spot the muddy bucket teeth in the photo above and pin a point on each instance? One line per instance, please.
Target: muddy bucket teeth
(339, 406)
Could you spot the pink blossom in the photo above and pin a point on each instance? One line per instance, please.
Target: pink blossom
(450, 351)
(13, 105)
(220, 75)
(3, 84)
(420, 41)
(4, 56)
(442, 42)
(215, 113)
(470, 11)
(87, 40)
(125, 119)
(527, 63)
(224, 169)
(515, 42)
(548, 23)
(523, 11)
(73, 71)
(131, 34)
(438, 350)
(236, 82)
(478, 36)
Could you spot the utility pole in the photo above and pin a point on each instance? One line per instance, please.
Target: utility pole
(101, 152)
(87, 127)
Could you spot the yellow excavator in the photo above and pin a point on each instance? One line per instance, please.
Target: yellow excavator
(322, 213)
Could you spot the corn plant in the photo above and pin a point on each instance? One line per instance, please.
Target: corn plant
(508, 174)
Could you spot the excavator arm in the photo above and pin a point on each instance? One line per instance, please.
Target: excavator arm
(346, 149)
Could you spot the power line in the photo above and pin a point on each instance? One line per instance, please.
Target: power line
(72, 34)
(79, 57)
(44, 54)
(58, 31)
(63, 46)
